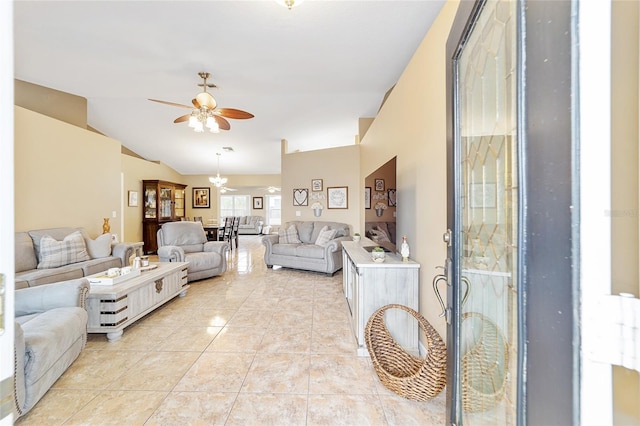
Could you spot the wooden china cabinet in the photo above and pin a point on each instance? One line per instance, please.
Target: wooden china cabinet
(163, 202)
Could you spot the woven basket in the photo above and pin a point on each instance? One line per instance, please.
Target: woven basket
(484, 367)
(414, 378)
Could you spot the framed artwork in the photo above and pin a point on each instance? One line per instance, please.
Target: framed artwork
(367, 197)
(316, 185)
(379, 184)
(201, 198)
(338, 197)
(391, 194)
(257, 203)
(301, 197)
(133, 198)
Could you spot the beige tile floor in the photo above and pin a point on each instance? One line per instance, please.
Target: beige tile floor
(253, 347)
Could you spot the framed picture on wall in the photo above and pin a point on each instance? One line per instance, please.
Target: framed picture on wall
(367, 197)
(338, 197)
(301, 197)
(257, 203)
(379, 184)
(201, 198)
(133, 198)
(316, 185)
(391, 193)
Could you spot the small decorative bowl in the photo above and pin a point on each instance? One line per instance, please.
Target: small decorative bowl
(378, 256)
(356, 238)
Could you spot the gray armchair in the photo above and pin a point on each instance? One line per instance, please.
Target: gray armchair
(187, 242)
(50, 333)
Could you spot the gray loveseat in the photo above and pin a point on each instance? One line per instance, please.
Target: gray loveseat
(50, 333)
(250, 225)
(306, 253)
(75, 260)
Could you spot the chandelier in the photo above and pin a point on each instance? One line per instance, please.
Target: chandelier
(218, 181)
(289, 3)
(203, 117)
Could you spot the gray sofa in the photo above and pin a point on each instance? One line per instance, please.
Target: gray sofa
(50, 333)
(32, 270)
(250, 225)
(187, 242)
(306, 254)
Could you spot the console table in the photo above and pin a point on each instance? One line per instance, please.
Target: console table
(111, 308)
(368, 286)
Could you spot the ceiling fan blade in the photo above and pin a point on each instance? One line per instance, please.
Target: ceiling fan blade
(182, 118)
(222, 123)
(233, 113)
(171, 103)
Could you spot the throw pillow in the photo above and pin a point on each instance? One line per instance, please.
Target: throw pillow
(380, 236)
(59, 253)
(100, 247)
(325, 236)
(288, 236)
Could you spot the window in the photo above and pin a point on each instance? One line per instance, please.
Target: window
(273, 209)
(235, 205)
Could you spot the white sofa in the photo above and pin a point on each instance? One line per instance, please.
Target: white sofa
(250, 225)
(306, 253)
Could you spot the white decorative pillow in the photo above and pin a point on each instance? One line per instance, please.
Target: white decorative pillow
(59, 253)
(289, 236)
(380, 236)
(100, 247)
(325, 236)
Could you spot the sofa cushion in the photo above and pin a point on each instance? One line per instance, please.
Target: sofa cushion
(325, 236)
(100, 247)
(183, 234)
(285, 249)
(95, 266)
(24, 252)
(203, 261)
(310, 251)
(55, 253)
(288, 236)
(55, 233)
(37, 277)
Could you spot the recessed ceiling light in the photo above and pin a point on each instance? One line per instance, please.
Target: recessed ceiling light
(227, 149)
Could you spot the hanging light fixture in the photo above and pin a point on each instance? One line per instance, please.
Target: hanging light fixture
(203, 117)
(289, 4)
(218, 181)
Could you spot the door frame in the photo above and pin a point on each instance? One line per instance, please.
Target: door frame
(548, 259)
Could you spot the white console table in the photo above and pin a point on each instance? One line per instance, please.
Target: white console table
(369, 286)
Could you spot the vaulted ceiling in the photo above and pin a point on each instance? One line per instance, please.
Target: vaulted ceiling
(307, 74)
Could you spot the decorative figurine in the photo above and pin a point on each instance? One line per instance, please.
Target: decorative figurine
(105, 226)
(404, 249)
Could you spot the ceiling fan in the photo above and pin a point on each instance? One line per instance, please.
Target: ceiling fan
(205, 111)
(271, 189)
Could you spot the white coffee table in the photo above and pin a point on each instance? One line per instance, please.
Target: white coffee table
(111, 308)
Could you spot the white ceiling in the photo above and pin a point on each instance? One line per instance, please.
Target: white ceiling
(306, 74)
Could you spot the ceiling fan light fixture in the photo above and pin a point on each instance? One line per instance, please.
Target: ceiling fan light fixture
(212, 124)
(289, 4)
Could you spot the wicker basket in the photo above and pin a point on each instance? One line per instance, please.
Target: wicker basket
(484, 367)
(414, 378)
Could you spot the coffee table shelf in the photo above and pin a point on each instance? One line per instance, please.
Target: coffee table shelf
(111, 308)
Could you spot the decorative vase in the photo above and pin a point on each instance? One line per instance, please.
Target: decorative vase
(379, 212)
(356, 238)
(105, 226)
(378, 256)
(317, 212)
(404, 249)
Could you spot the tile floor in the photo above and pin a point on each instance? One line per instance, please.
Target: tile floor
(253, 347)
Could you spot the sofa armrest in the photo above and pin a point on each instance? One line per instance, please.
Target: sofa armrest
(49, 296)
(336, 244)
(269, 240)
(20, 394)
(171, 254)
(221, 247)
(123, 251)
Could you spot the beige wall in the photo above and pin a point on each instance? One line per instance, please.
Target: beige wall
(624, 185)
(336, 167)
(412, 126)
(64, 175)
(53, 103)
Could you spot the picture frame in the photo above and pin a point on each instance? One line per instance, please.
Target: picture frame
(133, 198)
(316, 185)
(338, 197)
(257, 203)
(367, 197)
(201, 198)
(379, 185)
(301, 197)
(391, 197)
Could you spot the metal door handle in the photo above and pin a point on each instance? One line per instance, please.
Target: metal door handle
(436, 280)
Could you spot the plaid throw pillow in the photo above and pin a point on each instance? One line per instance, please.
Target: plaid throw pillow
(288, 236)
(325, 236)
(59, 253)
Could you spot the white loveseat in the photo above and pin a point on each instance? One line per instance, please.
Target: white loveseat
(308, 252)
(250, 225)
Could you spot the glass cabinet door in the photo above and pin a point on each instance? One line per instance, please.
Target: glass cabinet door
(179, 203)
(150, 202)
(165, 203)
